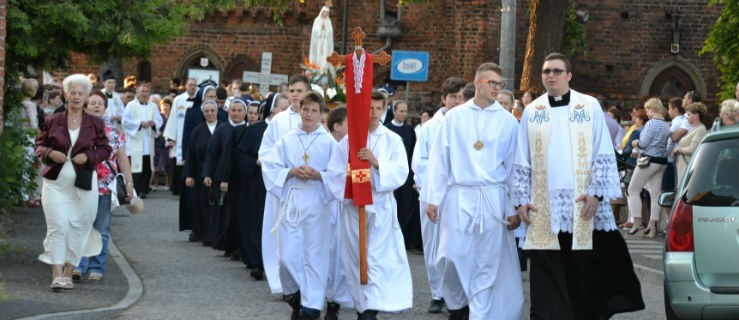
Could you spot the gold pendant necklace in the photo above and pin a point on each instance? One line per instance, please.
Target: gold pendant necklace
(478, 145)
(306, 156)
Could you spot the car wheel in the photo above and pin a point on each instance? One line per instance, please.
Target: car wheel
(669, 313)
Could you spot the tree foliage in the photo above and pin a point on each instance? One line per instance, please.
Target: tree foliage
(723, 43)
(44, 33)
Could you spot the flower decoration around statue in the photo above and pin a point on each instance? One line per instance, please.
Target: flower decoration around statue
(329, 83)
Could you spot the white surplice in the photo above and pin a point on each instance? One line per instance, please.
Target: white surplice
(140, 141)
(429, 230)
(304, 217)
(176, 124)
(604, 178)
(476, 250)
(389, 286)
(280, 125)
(115, 108)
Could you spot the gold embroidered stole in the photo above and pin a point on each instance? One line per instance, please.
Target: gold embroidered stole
(539, 235)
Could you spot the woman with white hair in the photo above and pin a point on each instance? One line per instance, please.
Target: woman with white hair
(727, 114)
(71, 145)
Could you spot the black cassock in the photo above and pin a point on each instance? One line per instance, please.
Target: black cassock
(246, 205)
(409, 224)
(217, 215)
(199, 140)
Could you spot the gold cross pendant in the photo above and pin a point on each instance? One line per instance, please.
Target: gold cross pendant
(305, 158)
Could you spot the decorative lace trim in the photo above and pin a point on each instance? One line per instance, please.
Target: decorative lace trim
(604, 179)
(358, 71)
(521, 185)
(560, 208)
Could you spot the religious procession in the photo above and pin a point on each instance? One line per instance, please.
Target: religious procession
(324, 166)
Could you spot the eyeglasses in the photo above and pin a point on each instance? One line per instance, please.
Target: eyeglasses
(499, 85)
(556, 72)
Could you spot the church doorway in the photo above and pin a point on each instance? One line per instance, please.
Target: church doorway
(200, 63)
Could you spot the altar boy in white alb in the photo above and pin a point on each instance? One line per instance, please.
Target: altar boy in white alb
(451, 97)
(470, 168)
(281, 124)
(389, 286)
(565, 175)
(141, 121)
(294, 171)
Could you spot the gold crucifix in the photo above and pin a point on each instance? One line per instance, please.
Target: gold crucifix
(358, 35)
(305, 158)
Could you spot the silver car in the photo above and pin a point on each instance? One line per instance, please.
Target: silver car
(702, 244)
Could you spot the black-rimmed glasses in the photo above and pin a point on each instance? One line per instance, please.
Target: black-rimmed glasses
(556, 72)
(499, 85)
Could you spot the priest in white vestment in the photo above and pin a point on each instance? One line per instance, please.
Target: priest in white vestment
(451, 96)
(470, 168)
(174, 130)
(114, 112)
(141, 121)
(389, 287)
(295, 171)
(281, 124)
(565, 175)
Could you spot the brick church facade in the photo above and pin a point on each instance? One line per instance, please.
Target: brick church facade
(629, 57)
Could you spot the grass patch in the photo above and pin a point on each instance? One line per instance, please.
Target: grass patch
(4, 247)
(4, 297)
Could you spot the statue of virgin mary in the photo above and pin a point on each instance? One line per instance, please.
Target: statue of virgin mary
(321, 40)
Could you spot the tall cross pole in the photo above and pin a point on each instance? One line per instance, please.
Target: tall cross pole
(359, 175)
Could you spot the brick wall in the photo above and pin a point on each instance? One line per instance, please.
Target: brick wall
(624, 38)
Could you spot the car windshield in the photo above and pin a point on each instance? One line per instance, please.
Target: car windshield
(713, 178)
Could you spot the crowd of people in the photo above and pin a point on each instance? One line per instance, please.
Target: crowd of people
(480, 186)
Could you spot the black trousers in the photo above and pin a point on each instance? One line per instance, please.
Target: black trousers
(141, 180)
(584, 284)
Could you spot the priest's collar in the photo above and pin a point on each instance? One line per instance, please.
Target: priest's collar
(560, 101)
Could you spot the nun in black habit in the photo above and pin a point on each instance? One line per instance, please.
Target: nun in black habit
(193, 117)
(199, 140)
(218, 217)
(241, 174)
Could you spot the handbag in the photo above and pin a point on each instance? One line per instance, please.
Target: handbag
(643, 161)
(83, 179)
(120, 186)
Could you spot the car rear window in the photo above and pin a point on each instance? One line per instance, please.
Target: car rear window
(713, 178)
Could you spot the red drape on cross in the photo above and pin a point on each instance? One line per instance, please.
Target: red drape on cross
(358, 187)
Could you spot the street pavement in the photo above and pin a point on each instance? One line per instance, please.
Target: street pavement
(184, 280)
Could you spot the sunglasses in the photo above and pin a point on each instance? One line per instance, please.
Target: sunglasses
(499, 85)
(556, 72)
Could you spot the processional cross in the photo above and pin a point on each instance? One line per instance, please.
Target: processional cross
(359, 174)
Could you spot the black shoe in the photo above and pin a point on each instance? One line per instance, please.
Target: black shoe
(206, 243)
(143, 195)
(294, 301)
(257, 274)
(235, 256)
(309, 314)
(193, 237)
(459, 314)
(367, 315)
(436, 306)
(332, 311)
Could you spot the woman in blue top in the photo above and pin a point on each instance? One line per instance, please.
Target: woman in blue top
(653, 143)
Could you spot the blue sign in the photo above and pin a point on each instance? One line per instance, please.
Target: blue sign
(410, 66)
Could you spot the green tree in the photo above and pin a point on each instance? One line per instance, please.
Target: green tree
(42, 34)
(723, 43)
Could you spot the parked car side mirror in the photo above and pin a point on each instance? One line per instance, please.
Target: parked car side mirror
(666, 199)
